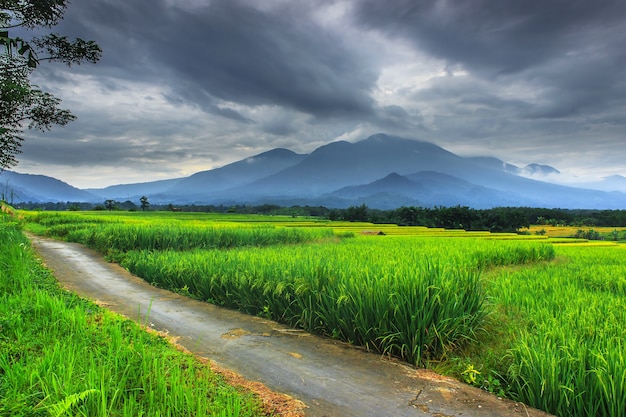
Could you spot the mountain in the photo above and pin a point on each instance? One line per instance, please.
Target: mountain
(381, 171)
(494, 164)
(613, 183)
(534, 170)
(610, 183)
(202, 186)
(206, 183)
(341, 164)
(134, 191)
(17, 188)
(426, 189)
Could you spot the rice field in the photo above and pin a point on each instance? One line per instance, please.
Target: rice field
(607, 233)
(409, 298)
(549, 310)
(569, 358)
(61, 355)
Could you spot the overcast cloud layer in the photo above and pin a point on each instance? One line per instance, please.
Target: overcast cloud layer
(190, 85)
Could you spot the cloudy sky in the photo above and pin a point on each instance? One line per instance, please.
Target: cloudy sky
(190, 85)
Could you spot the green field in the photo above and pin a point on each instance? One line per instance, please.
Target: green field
(61, 355)
(535, 318)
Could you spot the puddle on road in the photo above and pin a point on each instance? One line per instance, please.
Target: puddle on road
(235, 334)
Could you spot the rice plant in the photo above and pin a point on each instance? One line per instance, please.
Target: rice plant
(414, 293)
(413, 298)
(569, 356)
(61, 355)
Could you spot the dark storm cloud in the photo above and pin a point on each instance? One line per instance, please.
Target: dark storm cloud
(230, 51)
(571, 52)
(501, 36)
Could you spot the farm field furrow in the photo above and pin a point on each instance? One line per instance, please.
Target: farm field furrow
(549, 312)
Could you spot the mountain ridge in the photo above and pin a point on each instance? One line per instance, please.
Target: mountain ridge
(383, 171)
(39, 188)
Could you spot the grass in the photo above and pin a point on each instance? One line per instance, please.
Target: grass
(410, 296)
(554, 339)
(61, 355)
(538, 318)
(569, 358)
(323, 289)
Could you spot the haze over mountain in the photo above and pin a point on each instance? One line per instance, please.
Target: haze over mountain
(16, 187)
(381, 171)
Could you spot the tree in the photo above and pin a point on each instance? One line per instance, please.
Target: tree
(21, 103)
(356, 213)
(109, 204)
(144, 203)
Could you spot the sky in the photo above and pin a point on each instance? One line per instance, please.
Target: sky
(190, 85)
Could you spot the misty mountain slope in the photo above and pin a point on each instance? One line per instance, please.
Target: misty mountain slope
(374, 158)
(203, 184)
(493, 163)
(342, 164)
(381, 171)
(134, 191)
(18, 187)
(610, 183)
(539, 193)
(533, 192)
(429, 188)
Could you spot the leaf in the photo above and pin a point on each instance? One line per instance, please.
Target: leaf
(25, 47)
(63, 406)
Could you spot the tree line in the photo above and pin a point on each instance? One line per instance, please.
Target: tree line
(499, 219)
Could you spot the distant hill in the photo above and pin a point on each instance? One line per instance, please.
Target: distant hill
(206, 183)
(381, 171)
(613, 183)
(341, 164)
(426, 189)
(16, 187)
(610, 183)
(134, 191)
(331, 168)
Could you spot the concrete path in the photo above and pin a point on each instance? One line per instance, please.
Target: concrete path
(331, 378)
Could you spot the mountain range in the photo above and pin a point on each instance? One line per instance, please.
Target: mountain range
(381, 171)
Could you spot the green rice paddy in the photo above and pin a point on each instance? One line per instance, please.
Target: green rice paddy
(535, 318)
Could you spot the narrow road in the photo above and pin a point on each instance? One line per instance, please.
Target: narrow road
(331, 378)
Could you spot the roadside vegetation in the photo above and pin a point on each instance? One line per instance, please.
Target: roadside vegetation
(530, 316)
(61, 355)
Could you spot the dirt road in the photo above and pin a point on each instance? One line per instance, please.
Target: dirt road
(330, 378)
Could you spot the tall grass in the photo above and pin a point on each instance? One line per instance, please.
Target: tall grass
(61, 355)
(569, 357)
(124, 237)
(412, 298)
(417, 297)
